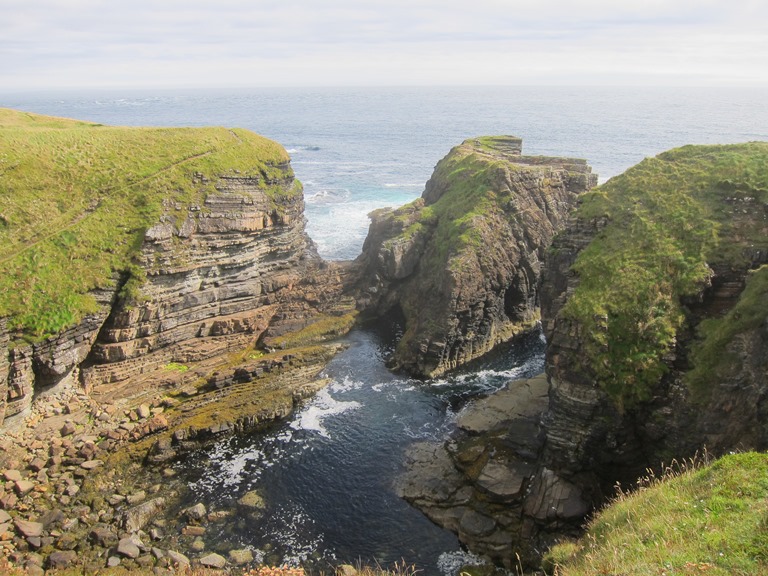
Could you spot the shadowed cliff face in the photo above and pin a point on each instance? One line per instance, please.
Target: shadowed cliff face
(462, 263)
(703, 381)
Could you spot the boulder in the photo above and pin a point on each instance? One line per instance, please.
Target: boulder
(62, 559)
(213, 560)
(136, 518)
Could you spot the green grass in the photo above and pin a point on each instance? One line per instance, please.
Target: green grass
(76, 199)
(667, 219)
(712, 520)
(710, 358)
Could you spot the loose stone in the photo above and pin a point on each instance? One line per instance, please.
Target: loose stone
(213, 561)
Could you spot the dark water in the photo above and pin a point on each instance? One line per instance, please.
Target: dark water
(327, 475)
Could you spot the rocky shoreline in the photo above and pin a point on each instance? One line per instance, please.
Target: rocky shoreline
(76, 490)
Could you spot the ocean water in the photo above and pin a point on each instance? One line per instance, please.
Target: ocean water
(327, 473)
(357, 149)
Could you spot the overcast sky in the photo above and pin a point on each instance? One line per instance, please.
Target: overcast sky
(229, 43)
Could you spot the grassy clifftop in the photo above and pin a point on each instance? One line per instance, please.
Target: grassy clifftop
(712, 520)
(76, 199)
(666, 225)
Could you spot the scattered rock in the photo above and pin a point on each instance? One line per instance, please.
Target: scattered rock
(113, 561)
(103, 536)
(67, 541)
(4, 517)
(143, 411)
(37, 464)
(136, 497)
(23, 487)
(139, 516)
(28, 528)
(91, 464)
(193, 530)
(178, 558)
(128, 548)
(12, 475)
(198, 545)
(213, 561)
(68, 429)
(252, 502)
(62, 559)
(240, 557)
(196, 512)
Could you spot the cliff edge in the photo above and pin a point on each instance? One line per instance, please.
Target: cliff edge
(141, 261)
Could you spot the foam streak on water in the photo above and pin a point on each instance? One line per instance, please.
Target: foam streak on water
(327, 474)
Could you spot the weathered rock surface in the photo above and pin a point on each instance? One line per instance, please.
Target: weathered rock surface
(591, 439)
(462, 263)
(482, 484)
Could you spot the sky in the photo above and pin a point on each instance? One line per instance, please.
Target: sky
(252, 43)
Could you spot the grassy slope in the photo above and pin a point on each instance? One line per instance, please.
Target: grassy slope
(668, 217)
(712, 520)
(76, 199)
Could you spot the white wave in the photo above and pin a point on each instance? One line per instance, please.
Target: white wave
(345, 385)
(449, 563)
(403, 185)
(323, 405)
(292, 523)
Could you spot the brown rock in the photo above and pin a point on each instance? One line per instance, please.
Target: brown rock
(62, 559)
(12, 475)
(28, 528)
(23, 487)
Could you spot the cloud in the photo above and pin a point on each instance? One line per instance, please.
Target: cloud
(48, 43)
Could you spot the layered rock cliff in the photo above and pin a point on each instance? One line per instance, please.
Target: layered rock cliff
(158, 256)
(462, 262)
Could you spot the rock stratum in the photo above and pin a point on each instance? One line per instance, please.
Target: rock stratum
(462, 263)
(159, 292)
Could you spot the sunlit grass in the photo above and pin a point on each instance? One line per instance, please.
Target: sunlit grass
(695, 519)
(665, 221)
(76, 199)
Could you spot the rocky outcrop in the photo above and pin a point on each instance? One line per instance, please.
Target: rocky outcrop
(486, 484)
(711, 388)
(462, 263)
(659, 278)
(230, 272)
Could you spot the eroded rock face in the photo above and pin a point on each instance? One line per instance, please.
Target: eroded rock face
(462, 263)
(209, 280)
(592, 439)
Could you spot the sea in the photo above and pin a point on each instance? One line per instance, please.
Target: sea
(327, 474)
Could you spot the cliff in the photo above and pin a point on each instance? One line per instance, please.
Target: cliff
(654, 310)
(142, 261)
(462, 263)
(654, 307)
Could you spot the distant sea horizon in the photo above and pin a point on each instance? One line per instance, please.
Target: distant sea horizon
(356, 149)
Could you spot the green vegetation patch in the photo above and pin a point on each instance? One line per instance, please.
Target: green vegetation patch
(712, 362)
(711, 520)
(76, 199)
(665, 219)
